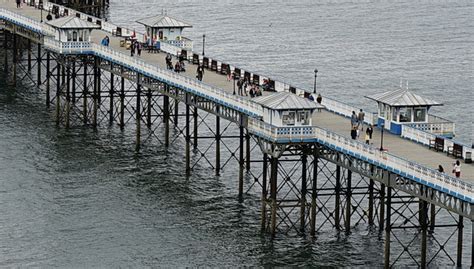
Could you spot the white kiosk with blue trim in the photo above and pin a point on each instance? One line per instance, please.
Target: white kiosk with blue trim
(73, 29)
(284, 109)
(400, 107)
(168, 29)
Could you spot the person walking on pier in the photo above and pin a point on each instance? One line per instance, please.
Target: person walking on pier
(368, 136)
(440, 168)
(18, 3)
(370, 131)
(361, 118)
(319, 99)
(138, 45)
(240, 85)
(132, 49)
(200, 72)
(169, 64)
(354, 120)
(354, 132)
(457, 169)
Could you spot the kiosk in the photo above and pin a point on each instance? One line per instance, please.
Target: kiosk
(168, 29)
(73, 29)
(401, 107)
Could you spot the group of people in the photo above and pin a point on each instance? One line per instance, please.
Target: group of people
(243, 84)
(456, 169)
(178, 67)
(135, 48)
(357, 125)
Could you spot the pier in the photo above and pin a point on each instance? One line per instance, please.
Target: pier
(309, 175)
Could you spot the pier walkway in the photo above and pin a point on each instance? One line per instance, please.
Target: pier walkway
(305, 173)
(395, 145)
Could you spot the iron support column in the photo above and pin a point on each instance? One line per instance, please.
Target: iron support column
(73, 77)
(15, 52)
(85, 92)
(39, 65)
(337, 212)
(28, 44)
(273, 193)
(460, 241)
(241, 161)
(111, 99)
(166, 117)
(247, 145)
(382, 208)
(48, 79)
(195, 126)
(371, 202)
(138, 114)
(424, 230)
(388, 228)
(58, 91)
(348, 201)
(176, 111)
(68, 97)
(304, 162)
(148, 109)
(313, 195)
(264, 192)
(218, 141)
(96, 93)
(122, 103)
(188, 136)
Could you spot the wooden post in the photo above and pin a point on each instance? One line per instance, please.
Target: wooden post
(273, 193)
(111, 99)
(218, 141)
(388, 228)
(138, 114)
(314, 195)
(304, 161)
(264, 192)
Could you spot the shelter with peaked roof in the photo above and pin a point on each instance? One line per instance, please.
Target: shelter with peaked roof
(73, 29)
(164, 28)
(401, 106)
(287, 109)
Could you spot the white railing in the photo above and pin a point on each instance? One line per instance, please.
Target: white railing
(346, 110)
(27, 22)
(415, 171)
(425, 138)
(183, 44)
(440, 128)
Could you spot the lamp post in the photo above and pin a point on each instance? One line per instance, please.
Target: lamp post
(381, 136)
(315, 78)
(203, 43)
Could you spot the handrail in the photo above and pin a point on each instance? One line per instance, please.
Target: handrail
(406, 168)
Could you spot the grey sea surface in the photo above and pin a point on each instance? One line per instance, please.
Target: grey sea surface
(84, 198)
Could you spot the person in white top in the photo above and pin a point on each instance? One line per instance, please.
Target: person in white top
(457, 169)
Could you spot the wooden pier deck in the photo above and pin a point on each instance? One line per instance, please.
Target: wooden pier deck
(394, 144)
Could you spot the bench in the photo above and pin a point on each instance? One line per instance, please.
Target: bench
(455, 150)
(437, 144)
